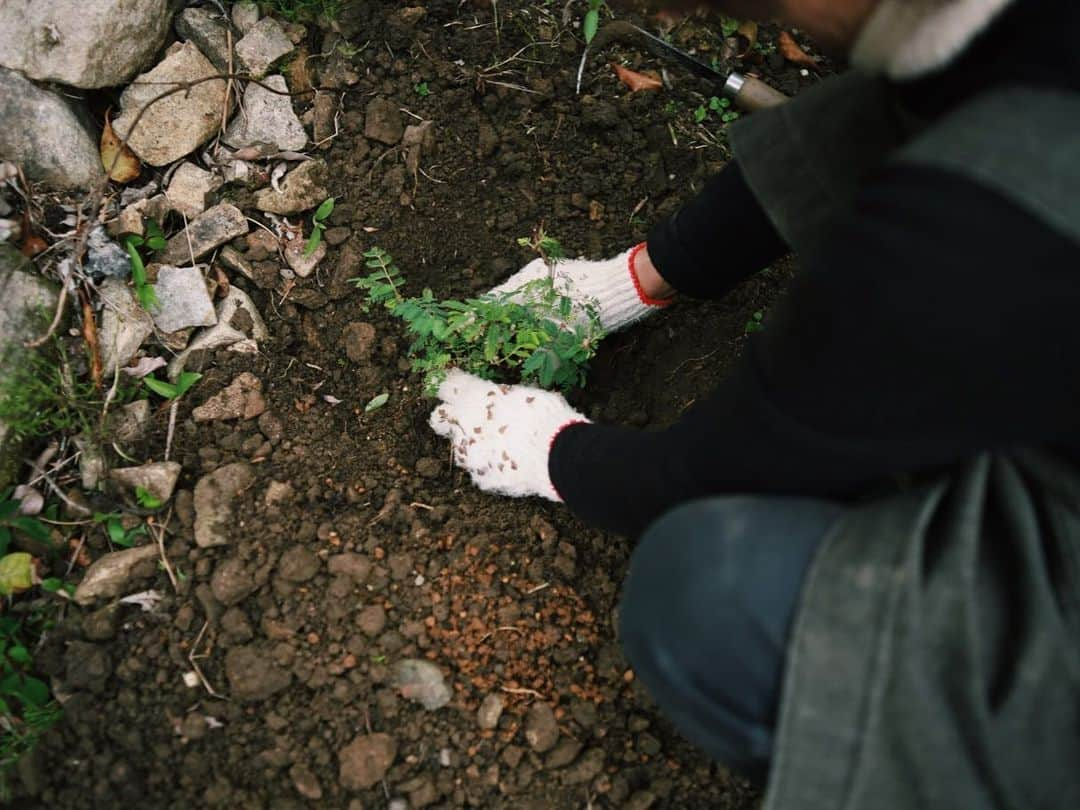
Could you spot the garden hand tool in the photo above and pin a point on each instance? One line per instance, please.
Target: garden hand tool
(746, 92)
(609, 287)
(502, 434)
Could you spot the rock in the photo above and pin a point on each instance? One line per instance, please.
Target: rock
(178, 124)
(43, 134)
(106, 258)
(303, 265)
(262, 45)
(158, 478)
(92, 464)
(271, 427)
(382, 121)
(235, 624)
(491, 709)
(102, 43)
(234, 311)
(303, 188)
(24, 296)
(355, 566)
(336, 235)
(359, 339)
(641, 800)
(324, 110)
(129, 422)
(241, 399)
(110, 575)
(183, 300)
(365, 761)
(234, 260)
(305, 782)
(421, 682)
(584, 770)
(124, 325)
(541, 728)
(563, 753)
(211, 229)
(132, 219)
(253, 674)
(102, 624)
(298, 565)
(215, 497)
(372, 620)
(231, 582)
(206, 31)
(244, 16)
(190, 186)
(267, 117)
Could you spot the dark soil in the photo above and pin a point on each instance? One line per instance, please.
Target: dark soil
(371, 548)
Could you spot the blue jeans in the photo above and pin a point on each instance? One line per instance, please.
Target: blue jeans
(707, 610)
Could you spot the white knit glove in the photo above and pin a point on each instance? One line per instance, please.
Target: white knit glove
(611, 286)
(502, 434)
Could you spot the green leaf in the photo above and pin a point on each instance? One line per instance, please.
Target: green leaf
(8, 508)
(153, 230)
(16, 573)
(116, 532)
(146, 499)
(185, 381)
(324, 210)
(19, 654)
(376, 402)
(5, 539)
(30, 691)
(313, 241)
(34, 528)
(52, 584)
(700, 114)
(160, 387)
(590, 24)
(156, 242)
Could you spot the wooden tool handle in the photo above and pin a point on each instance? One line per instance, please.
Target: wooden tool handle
(750, 94)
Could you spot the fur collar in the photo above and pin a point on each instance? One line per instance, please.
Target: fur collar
(904, 39)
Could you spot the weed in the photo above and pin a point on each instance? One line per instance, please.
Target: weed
(114, 529)
(146, 499)
(494, 337)
(721, 107)
(376, 402)
(755, 324)
(545, 246)
(422, 89)
(591, 21)
(41, 396)
(318, 225)
(172, 390)
(728, 26)
(293, 10)
(154, 240)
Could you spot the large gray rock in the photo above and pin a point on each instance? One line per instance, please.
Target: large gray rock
(84, 43)
(215, 502)
(211, 229)
(263, 45)
(177, 124)
(42, 133)
(235, 308)
(189, 189)
(267, 117)
(183, 300)
(26, 301)
(206, 29)
(111, 575)
(158, 478)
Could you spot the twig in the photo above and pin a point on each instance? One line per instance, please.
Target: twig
(172, 427)
(195, 665)
(74, 556)
(41, 475)
(161, 549)
(539, 587)
(33, 344)
(513, 691)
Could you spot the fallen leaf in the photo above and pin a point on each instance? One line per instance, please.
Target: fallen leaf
(791, 51)
(748, 30)
(376, 402)
(146, 365)
(16, 573)
(32, 245)
(119, 161)
(634, 80)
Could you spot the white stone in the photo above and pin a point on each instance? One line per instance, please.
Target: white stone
(110, 575)
(183, 299)
(263, 45)
(223, 333)
(303, 265)
(177, 124)
(302, 189)
(158, 478)
(83, 43)
(244, 16)
(124, 325)
(267, 117)
(189, 188)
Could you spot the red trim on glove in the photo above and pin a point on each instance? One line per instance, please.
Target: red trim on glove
(645, 299)
(551, 446)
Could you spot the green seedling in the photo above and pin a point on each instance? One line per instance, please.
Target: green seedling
(294, 10)
(114, 529)
(545, 246)
(146, 499)
(591, 22)
(376, 402)
(529, 337)
(422, 89)
(755, 324)
(721, 107)
(728, 26)
(318, 225)
(153, 240)
(172, 390)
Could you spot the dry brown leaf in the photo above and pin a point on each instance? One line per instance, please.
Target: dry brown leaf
(748, 30)
(791, 51)
(634, 80)
(126, 166)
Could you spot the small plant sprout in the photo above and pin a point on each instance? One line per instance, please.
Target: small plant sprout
(525, 335)
(755, 323)
(728, 26)
(153, 240)
(114, 528)
(422, 89)
(592, 20)
(170, 390)
(318, 225)
(546, 247)
(377, 402)
(146, 499)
